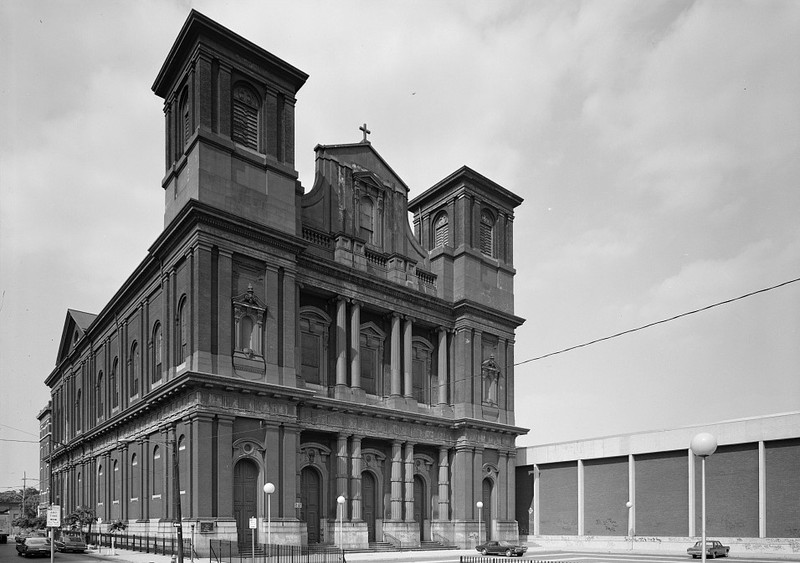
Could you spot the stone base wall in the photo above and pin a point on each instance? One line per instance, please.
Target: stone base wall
(349, 535)
(740, 547)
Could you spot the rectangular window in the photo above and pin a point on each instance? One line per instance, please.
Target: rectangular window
(368, 368)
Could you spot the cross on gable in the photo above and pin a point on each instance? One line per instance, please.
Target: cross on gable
(366, 132)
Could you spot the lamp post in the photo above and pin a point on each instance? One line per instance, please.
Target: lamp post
(479, 504)
(703, 445)
(340, 501)
(269, 488)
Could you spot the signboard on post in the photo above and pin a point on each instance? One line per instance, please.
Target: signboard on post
(54, 516)
(253, 523)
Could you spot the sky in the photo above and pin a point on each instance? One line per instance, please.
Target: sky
(656, 145)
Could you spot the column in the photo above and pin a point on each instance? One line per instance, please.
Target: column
(200, 473)
(502, 485)
(477, 481)
(144, 494)
(409, 482)
(581, 526)
(222, 501)
(692, 495)
(341, 342)
(463, 499)
(289, 484)
(535, 507)
(762, 489)
(442, 365)
(444, 484)
(124, 489)
(632, 495)
(395, 355)
(355, 477)
(397, 481)
(341, 471)
(408, 377)
(355, 344)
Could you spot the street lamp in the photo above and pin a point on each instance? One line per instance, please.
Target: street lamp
(479, 504)
(703, 445)
(340, 501)
(269, 488)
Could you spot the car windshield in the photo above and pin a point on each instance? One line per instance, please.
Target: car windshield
(506, 544)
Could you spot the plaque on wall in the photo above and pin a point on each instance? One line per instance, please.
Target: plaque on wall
(206, 527)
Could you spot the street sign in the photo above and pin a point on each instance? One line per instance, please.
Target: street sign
(54, 516)
(253, 523)
(298, 505)
(176, 524)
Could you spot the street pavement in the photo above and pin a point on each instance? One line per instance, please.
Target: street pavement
(8, 555)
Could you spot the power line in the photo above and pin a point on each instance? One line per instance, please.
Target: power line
(19, 430)
(21, 441)
(706, 308)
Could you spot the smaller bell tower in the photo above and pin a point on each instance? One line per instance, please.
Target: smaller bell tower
(229, 126)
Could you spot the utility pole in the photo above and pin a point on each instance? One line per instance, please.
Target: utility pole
(24, 486)
(176, 495)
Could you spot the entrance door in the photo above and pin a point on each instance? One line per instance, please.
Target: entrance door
(245, 493)
(310, 497)
(420, 505)
(487, 507)
(370, 505)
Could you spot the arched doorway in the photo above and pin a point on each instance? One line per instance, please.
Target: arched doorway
(487, 506)
(311, 495)
(370, 507)
(420, 505)
(245, 493)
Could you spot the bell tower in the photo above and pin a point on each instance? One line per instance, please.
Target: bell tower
(229, 126)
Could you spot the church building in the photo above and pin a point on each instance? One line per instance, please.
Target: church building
(311, 339)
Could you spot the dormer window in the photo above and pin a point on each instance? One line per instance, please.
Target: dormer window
(487, 233)
(245, 116)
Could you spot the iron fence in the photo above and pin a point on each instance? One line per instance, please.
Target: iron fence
(161, 545)
(225, 551)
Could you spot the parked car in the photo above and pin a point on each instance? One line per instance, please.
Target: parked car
(71, 542)
(34, 546)
(501, 548)
(713, 549)
(22, 536)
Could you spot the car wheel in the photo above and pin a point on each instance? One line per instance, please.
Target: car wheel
(484, 551)
(508, 553)
(712, 555)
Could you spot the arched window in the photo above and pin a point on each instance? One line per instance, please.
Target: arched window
(185, 121)
(487, 233)
(183, 331)
(314, 326)
(441, 231)
(78, 411)
(158, 346)
(133, 364)
(135, 478)
(157, 473)
(367, 219)
(101, 393)
(113, 384)
(116, 482)
(245, 116)
(101, 485)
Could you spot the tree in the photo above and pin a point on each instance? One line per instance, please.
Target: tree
(79, 518)
(117, 526)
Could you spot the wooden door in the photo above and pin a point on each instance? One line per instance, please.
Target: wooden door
(420, 505)
(487, 507)
(245, 493)
(310, 497)
(370, 508)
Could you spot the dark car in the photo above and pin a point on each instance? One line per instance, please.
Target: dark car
(34, 546)
(22, 536)
(501, 548)
(71, 542)
(713, 549)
